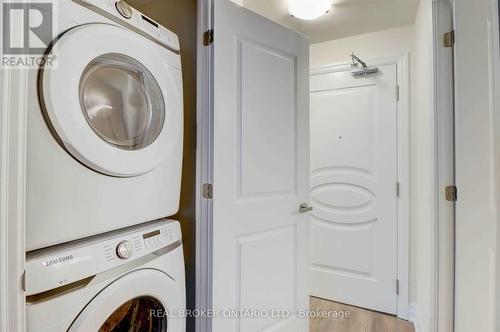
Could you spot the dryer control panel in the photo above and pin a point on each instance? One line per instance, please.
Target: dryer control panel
(122, 13)
(62, 265)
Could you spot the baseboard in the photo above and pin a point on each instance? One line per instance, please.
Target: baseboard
(414, 317)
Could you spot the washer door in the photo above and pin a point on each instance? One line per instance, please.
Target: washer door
(112, 101)
(142, 301)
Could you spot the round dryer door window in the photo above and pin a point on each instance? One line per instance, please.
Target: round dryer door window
(135, 315)
(114, 101)
(121, 101)
(144, 300)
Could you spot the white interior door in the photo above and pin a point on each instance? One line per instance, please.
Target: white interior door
(477, 169)
(354, 188)
(261, 171)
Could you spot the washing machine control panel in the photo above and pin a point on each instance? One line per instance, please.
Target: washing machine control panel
(51, 268)
(121, 12)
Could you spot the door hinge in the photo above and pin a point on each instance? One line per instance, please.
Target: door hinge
(207, 191)
(208, 37)
(397, 189)
(397, 92)
(449, 39)
(23, 280)
(397, 286)
(451, 194)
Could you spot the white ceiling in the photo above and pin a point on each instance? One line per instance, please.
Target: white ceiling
(347, 17)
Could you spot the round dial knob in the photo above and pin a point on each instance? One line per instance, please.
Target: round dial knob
(124, 9)
(124, 249)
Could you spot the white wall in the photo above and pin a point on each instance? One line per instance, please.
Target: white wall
(417, 41)
(373, 45)
(423, 163)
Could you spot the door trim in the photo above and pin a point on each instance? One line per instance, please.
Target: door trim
(495, 33)
(204, 173)
(13, 87)
(444, 282)
(403, 114)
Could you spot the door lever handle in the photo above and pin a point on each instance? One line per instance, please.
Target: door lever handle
(303, 208)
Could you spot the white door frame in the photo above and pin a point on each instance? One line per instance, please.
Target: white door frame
(13, 84)
(13, 132)
(204, 173)
(495, 34)
(496, 81)
(403, 122)
(444, 144)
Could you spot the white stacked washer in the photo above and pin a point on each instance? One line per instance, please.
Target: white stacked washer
(129, 280)
(105, 126)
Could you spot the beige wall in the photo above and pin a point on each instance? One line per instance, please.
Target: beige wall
(417, 42)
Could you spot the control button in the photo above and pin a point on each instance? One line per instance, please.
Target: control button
(124, 9)
(124, 249)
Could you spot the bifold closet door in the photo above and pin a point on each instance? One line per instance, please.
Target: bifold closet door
(261, 172)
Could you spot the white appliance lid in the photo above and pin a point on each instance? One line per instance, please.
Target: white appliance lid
(135, 21)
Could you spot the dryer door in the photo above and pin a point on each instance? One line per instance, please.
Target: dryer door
(142, 301)
(113, 102)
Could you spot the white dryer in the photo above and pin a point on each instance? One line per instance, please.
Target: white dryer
(130, 280)
(105, 125)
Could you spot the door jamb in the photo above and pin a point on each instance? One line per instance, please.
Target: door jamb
(204, 172)
(402, 63)
(13, 86)
(495, 40)
(442, 18)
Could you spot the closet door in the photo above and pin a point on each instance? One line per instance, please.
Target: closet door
(261, 171)
(477, 169)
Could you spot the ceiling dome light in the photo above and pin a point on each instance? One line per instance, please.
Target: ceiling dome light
(309, 9)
